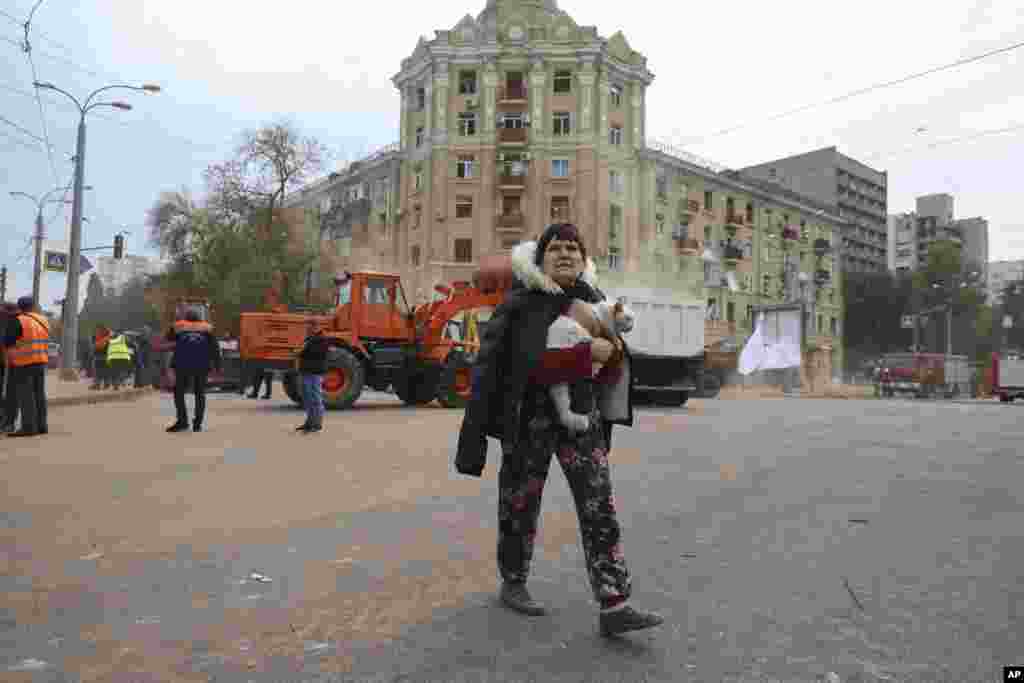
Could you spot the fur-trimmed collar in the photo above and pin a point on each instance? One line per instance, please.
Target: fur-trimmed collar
(532, 277)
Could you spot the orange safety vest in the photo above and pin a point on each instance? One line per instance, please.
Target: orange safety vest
(189, 326)
(34, 345)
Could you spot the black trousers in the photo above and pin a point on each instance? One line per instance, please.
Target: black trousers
(9, 409)
(196, 380)
(258, 379)
(30, 390)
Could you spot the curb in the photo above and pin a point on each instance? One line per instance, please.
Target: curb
(99, 397)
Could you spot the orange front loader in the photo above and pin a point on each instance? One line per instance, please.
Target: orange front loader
(377, 340)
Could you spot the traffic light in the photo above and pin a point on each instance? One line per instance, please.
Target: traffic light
(118, 246)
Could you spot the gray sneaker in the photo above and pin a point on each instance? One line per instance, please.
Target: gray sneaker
(627, 619)
(516, 597)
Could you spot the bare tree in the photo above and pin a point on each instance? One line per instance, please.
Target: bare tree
(268, 164)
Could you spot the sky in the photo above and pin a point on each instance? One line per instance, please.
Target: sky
(227, 66)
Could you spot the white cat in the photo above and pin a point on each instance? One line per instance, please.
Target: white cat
(585, 322)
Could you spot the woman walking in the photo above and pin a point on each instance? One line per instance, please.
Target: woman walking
(511, 402)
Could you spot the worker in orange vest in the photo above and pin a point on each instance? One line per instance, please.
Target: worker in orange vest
(101, 373)
(28, 341)
(9, 407)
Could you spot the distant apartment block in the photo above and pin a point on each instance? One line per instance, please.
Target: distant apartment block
(911, 234)
(115, 274)
(858, 191)
(1000, 274)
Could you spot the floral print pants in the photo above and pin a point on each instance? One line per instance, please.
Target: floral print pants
(584, 460)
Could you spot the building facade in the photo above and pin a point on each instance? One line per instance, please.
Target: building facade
(1001, 274)
(912, 234)
(859, 192)
(520, 117)
(115, 274)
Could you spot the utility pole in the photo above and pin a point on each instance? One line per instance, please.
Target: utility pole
(37, 269)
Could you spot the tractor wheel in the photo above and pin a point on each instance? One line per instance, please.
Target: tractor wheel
(343, 381)
(416, 388)
(456, 382)
(291, 387)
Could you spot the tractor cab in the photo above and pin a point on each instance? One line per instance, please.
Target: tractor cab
(372, 305)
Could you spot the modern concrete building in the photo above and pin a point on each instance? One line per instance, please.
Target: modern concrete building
(115, 274)
(911, 234)
(1001, 274)
(858, 191)
(520, 117)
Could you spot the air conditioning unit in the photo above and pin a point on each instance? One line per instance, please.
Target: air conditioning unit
(471, 103)
(679, 232)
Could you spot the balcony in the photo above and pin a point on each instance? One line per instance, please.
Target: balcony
(512, 175)
(511, 222)
(512, 136)
(692, 206)
(512, 93)
(734, 220)
(688, 246)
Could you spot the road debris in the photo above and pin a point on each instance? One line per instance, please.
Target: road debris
(857, 520)
(29, 665)
(853, 595)
(259, 578)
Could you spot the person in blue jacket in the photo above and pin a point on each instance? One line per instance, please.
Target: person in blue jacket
(196, 352)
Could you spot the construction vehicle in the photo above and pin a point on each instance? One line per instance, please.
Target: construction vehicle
(1007, 377)
(377, 340)
(666, 345)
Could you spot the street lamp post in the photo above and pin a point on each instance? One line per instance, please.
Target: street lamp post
(40, 202)
(70, 340)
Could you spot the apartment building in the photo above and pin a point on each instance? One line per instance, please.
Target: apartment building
(912, 234)
(115, 274)
(859, 192)
(521, 117)
(1001, 274)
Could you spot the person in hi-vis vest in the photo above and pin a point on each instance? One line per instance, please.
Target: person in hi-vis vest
(27, 339)
(119, 359)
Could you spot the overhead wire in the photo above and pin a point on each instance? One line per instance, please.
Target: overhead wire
(952, 141)
(861, 91)
(19, 141)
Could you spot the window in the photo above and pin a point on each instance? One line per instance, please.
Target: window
(562, 123)
(419, 136)
(463, 207)
(417, 182)
(660, 185)
(615, 135)
(559, 168)
(708, 199)
(467, 123)
(467, 82)
(417, 216)
(730, 311)
(414, 255)
(750, 313)
(465, 167)
(563, 82)
(559, 209)
(616, 183)
(512, 121)
(463, 250)
(614, 259)
(615, 96)
(820, 325)
(511, 205)
(421, 99)
(376, 292)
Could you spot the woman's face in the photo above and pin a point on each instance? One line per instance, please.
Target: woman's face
(563, 261)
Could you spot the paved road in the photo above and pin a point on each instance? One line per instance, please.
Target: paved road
(783, 540)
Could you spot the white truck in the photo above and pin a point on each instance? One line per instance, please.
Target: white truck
(1009, 378)
(667, 343)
